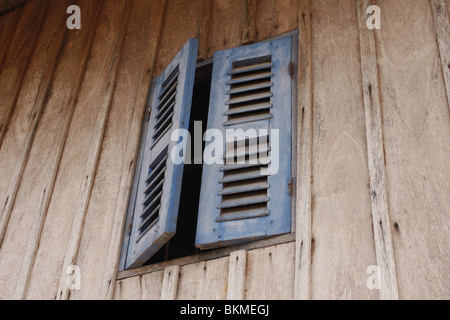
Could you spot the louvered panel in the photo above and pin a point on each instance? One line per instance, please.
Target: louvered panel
(249, 94)
(244, 185)
(156, 197)
(152, 194)
(165, 107)
(247, 198)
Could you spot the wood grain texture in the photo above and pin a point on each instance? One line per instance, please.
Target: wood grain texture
(8, 5)
(227, 25)
(129, 289)
(380, 212)
(416, 126)
(342, 239)
(270, 273)
(18, 58)
(7, 27)
(146, 32)
(236, 275)
(182, 21)
(67, 82)
(206, 280)
(442, 27)
(249, 32)
(152, 285)
(304, 140)
(51, 51)
(170, 283)
(274, 17)
(89, 171)
(204, 29)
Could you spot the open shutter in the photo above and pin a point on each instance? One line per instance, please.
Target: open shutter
(247, 197)
(158, 192)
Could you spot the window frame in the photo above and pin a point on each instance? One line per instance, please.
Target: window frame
(218, 252)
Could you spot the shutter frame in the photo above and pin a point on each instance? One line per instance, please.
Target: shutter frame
(142, 246)
(213, 230)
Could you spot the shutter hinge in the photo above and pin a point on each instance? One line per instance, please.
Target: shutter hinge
(148, 113)
(291, 69)
(130, 227)
(291, 186)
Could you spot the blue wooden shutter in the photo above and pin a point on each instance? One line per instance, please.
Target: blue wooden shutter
(251, 89)
(158, 192)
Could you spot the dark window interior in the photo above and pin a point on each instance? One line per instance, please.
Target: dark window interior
(183, 243)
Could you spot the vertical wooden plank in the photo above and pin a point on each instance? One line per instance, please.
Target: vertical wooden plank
(227, 25)
(342, 235)
(50, 53)
(8, 24)
(18, 58)
(38, 178)
(442, 26)
(236, 275)
(270, 273)
(380, 211)
(416, 128)
(114, 173)
(129, 289)
(152, 285)
(67, 83)
(203, 280)
(249, 32)
(182, 21)
(304, 148)
(203, 29)
(274, 17)
(94, 153)
(170, 283)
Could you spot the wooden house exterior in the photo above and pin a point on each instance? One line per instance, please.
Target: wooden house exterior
(372, 179)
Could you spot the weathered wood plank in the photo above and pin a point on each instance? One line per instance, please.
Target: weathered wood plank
(7, 27)
(152, 285)
(94, 150)
(203, 29)
(182, 21)
(416, 127)
(8, 5)
(144, 38)
(203, 280)
(380, 212)
(236, 275)
(304, 148)
(18, 58)
(129, 289)
(170, 283)
(249, 32)
(442, 26)
(51, 51)
(343, 242)
(67, 83)
(274, 17)
(270, 273)
(227, 23)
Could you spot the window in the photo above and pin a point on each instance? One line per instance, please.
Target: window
(216, 157)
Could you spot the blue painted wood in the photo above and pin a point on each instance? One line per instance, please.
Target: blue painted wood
(142, 247)
(214, 230)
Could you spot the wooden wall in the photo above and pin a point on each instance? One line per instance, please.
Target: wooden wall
(373, 153)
